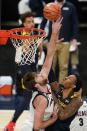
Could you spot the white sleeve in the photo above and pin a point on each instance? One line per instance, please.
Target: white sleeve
(23, 7)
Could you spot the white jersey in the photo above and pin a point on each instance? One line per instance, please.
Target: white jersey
(28, 124)
(80, 121)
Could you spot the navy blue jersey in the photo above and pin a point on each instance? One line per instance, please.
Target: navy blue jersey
(62, 125)
(22, 70)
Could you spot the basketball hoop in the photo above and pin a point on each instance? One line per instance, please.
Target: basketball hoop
(26, 42)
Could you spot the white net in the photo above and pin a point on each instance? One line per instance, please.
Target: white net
(26, 48)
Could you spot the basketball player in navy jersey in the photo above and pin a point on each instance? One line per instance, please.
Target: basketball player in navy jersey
(68, 97)
(27, 21)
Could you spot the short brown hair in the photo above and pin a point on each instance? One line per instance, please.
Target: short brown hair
(29, 81)
(25, 15)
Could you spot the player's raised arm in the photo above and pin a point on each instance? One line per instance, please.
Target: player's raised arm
(54, 36)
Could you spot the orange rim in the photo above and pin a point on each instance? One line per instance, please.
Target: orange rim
(25, 29)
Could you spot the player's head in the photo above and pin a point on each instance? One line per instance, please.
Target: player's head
(39, 79)
(72, 81)
(31, 79)
(28, 20)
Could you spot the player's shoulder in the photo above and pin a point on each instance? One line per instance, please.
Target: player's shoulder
(40, 96)
(77, 100)
(41, 101)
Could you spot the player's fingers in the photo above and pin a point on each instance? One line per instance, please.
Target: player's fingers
(60, 26)
(59, 20)
(60, 40)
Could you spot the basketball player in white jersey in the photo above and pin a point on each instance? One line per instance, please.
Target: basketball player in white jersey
(34, 119)
(80, 121)
(41, 105)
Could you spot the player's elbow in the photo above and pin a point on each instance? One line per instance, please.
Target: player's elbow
(37, 127)
(62, 116)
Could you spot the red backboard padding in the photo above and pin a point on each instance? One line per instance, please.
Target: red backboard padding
(4, 34)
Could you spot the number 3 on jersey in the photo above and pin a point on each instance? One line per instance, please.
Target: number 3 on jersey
(81, 121)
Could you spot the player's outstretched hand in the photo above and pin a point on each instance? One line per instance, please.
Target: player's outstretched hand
(56, 25)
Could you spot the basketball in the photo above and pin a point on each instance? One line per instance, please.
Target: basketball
(52, 11)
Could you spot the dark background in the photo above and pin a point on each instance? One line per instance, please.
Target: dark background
(10, 10)
(9, 19)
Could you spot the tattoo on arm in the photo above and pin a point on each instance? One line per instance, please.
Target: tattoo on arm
(70, 109)
(55, 87)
